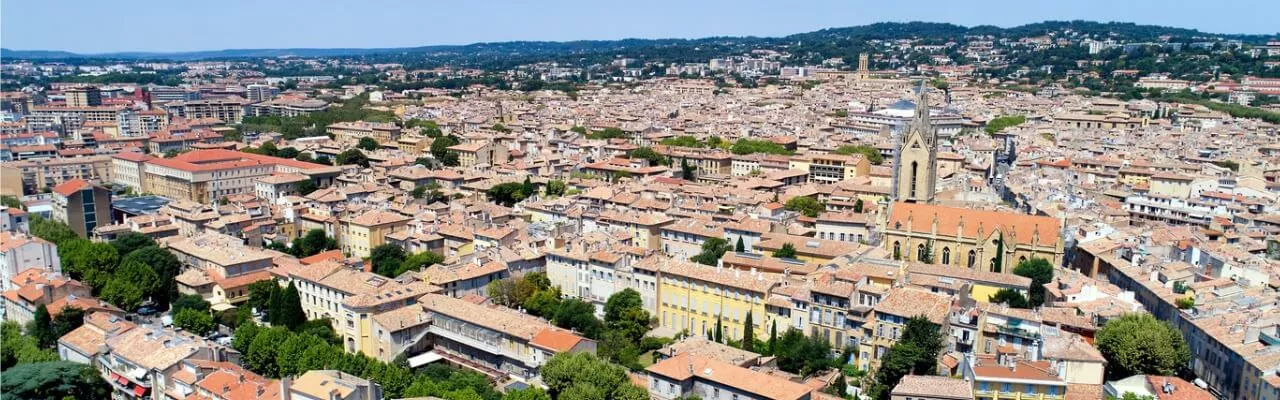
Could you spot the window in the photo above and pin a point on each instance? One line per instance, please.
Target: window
(920, 252)
(946, 255)
(1006, 387)
(973, 259)
(983, 386)
(1052, 390)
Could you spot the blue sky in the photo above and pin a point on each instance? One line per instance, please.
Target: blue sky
(91, 26)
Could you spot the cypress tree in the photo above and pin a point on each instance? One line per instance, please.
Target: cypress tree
(749, 332)
(740, 247)
(719, 336)
(291, 314)
(773, 338)
(41, 327)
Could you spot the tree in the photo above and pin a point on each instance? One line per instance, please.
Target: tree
(314, 242)
(871, 153)
(53, 380)
(193, 321)
(568, 375)
(68, 320)
(624, 313)
(41, 328)
(502, 292)
(1041, 272)
(141, 276)
(440, 150)
(527, 188)
(580, 316)
(244, 336)
(916, 352)
(419, 261)
(353, 157)
(368, 143)
(260, 295)
(506, 194)
(532, 393)
(997, 263)
(712, 249)
(786, 251)
(262, 354)
(802, 355)
(418, 192)
(11, 202)
(807, 206)
(926, 255)
(648, 154)
(1141, 344)
(291, 357)
(17, 348)
(839, 387)
(555, 188)
(1010, 297)
(88, 262)
(386, 259)
(687, 172)
(741, 247)
(290, 312)
(857, 206)
(191, 301)
(748, 333)
(773, 338)
(122, 293)
(128, 242)
(307, 186)
(166, 267)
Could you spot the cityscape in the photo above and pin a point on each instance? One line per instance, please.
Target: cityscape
(889, 210)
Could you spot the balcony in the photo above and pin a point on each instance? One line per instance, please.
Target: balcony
(466, 340)
(1016, 331)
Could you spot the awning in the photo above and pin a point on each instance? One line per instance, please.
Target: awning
(424, 359)
(139, 390)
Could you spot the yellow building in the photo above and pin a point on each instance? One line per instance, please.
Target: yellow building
(833, 168)
(37, 175)
(1135, 176)
(360, 234)
(889, 319)
(480, 153)
(1009, 377)
(970, 238)
(693, 297)
(1171, 185)
(645, 229)
(349, 133)
(981, 284)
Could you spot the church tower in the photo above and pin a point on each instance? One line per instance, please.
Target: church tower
(915, 169)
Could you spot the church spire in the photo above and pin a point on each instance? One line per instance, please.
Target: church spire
(916, 162)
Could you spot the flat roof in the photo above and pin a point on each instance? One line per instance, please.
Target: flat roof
(139, 205)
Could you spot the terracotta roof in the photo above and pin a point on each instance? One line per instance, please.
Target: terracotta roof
(933, 387)
(72, 186)
(910, 302)
(685, 366)
(919, 218)
(555, 339)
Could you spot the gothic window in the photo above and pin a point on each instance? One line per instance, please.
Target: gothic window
(920, 253)
(897, 249)
(973, 258)
(914, 167)
(946, 255)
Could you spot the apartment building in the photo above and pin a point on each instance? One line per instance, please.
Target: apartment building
(644, 229)
(831, 168)
(688, 375)
(82, 205)
(695, 297)
(365, 320)
(971, 238)
(84, 96)
(203, 176)
(349, 133)
(889, 318)
(286, 107)
(921, 387)
(229, 110)
(359, 234)
(127, 168)
(330, 385)
(499, 342)
(20, 252)
(480, 153)
(1007, 376)
(140, 363)
(219, 267)
(70, 119)
(34, 176)
(1173, 210)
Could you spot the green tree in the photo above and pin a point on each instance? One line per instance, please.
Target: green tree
(786, 251)
(687, 172)
(55, 232)
(17, 348)
(527, 188)
(802, 355)
(580, 316)
(506, 194)
(123, 294)
(748, 333)
(926, 256)
(872, 154)
(368, 144)
(244, 336)
(386, 259)
(12, 202)
(1010, 297)
(166, 267)
(773, 338)
(53, 380)
(290, 312)
(916, 352)
(569, 375)
(418, 192)
(748, 146)
(997, 263)
(712, 249)
(740, 247)
(128, 242)
(193, 321)
(532, 393)
(291, 358)
(68, 320)
(314, 242)
(440, 150)
(807, 206)
(141, 276)
(262, 354)
(857, 206)
(419, 261)
(353, 157)
(191, 301)
(543, 303)
(650, 155)
(41, 328)
(1141, 344)
(555, 188)
(307, 186)
(1041, 272)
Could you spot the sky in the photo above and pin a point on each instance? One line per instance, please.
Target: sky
(97, 26)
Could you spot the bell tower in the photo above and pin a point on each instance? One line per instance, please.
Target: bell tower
(915, 168)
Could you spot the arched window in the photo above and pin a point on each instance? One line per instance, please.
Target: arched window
(1022, 259)
(946, 255)
(914, 167)
(920, 253)
(973, 259)
(897, 250)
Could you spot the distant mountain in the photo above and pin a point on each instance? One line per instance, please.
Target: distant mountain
(830, 37)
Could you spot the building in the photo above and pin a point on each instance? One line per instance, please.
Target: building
(82, 206)
(695, 298)
(34, 176)
(687, 375)
(497, 341)
(916, 167)
(913, 387)
(286, 107)
(479, 153)
(349, 133)
(127, 169)
(988, 240)
(219, 267)
(358, 235)
(330, 385)
(70, 119)
(202, 176)
(1007, 376)
(20, 252)
(229, 110)
(832, 168)
(84, 96)
(258, 92)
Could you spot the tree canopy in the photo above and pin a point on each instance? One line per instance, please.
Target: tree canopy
(1041, 272)
(807, 206)
(1141, 344)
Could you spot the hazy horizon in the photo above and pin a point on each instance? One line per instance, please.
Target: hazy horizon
(91, 27)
